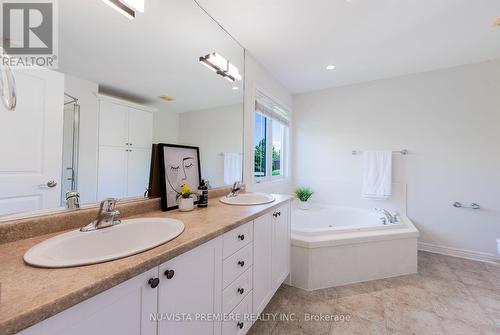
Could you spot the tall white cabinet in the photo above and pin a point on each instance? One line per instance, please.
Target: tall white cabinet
(125, 138)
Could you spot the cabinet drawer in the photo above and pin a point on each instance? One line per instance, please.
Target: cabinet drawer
(240, 323)
(236, 264)
(237, 239)
(236, 291)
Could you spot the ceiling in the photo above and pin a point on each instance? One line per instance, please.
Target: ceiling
(365, 39)
(155, 54)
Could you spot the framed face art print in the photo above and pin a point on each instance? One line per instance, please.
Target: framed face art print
(179, 164)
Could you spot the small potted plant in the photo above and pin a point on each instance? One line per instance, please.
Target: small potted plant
(303, 194)
(185, 198)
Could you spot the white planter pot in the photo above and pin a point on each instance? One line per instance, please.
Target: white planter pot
(186, 204)
(304, 205)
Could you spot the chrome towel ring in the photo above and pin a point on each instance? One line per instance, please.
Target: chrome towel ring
(7, 84)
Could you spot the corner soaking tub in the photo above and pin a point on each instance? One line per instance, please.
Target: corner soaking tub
(334, 246)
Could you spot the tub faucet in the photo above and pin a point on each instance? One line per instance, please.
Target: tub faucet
(235, 190)
(388, 216)
(106, 217)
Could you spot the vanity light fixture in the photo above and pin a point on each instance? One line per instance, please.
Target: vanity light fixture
(126, 7)
(137, 5)
(221, 66)
(330, 67)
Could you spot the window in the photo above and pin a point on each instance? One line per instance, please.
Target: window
(278, 141)
(270, 140)
(260, 139)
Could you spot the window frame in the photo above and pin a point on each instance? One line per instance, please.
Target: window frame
(269, 149)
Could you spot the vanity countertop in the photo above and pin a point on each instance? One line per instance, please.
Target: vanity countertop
(29, 295)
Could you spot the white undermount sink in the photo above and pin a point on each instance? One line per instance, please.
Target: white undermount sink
(248, 199)
(130, 237)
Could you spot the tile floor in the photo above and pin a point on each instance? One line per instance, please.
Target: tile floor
(449, 295)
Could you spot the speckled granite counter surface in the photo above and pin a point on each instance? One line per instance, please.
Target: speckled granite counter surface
(29, 295)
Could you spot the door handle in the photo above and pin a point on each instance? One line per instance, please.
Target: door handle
(51, 183)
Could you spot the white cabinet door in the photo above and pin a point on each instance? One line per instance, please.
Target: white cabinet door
(124, 309)
(262, 267)
(31, 143)
(140, 128)
(112, 173)
(194, 289)
(281, 245)
(113, 124)
(139, 161)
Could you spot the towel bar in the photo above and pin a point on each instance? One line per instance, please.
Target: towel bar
(402, 152)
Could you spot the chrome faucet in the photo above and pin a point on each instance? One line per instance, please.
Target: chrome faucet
(106, 217)
(73, 200)
(235, 190)
(388, 217)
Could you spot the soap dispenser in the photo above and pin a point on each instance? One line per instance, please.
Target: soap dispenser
(203, 194)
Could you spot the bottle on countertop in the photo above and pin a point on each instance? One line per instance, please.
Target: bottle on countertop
(203, 194)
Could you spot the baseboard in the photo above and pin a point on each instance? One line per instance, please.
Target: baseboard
(468, 254)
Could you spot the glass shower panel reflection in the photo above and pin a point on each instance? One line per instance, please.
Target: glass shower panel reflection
(71, 122)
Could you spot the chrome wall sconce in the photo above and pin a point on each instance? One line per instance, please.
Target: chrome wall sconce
(221, 66)
(127, 8)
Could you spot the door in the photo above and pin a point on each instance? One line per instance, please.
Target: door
(262, 267)
(112, 173)
(191, 288)
(127, 309)
(31, 143)
(281, 245)
(139, 161)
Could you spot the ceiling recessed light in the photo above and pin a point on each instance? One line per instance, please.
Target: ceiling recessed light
(235, 88)
(330, 67)
(496, 23)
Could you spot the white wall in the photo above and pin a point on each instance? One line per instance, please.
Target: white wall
(165, 127)
(449, 120)
(215, 131)
(257, 77)
(86, 91)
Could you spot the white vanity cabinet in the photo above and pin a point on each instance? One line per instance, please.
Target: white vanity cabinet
(124, 309)
(271, 255)
(280, 246)
(235, 274)
(125, 138)
(190, 291)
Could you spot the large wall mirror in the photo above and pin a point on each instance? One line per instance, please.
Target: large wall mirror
(89, 125)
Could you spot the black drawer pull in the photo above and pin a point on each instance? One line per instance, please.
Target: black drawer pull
(241, 263)
(241, 290)
(240, 325)
(276, 214)
(153, 282)
(169, 274)
(241, 237)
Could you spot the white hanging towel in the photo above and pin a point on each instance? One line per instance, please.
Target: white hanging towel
(377, 174)
(233, 167)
